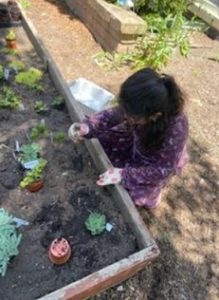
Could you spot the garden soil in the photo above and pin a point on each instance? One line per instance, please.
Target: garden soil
(186, 224)
(62, 206)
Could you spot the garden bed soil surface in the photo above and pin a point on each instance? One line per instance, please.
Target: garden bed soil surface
(61, 207)
(186, 224)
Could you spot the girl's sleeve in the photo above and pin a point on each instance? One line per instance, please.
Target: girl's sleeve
(102, 121)
(153, 174)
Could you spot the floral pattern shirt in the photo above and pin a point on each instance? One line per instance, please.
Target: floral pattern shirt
(145, 170)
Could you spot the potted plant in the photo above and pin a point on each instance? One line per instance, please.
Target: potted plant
(11, 40)
(33, 179)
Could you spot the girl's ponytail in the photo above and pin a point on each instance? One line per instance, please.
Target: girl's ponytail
(175, 95)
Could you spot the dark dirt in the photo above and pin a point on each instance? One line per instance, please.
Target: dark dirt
(186, 224)
(61, 207)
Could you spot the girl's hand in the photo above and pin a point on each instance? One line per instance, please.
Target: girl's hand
(77, 131)
(111, 176)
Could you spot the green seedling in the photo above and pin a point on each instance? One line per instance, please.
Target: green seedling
(17, 65)
(58, 102)
(34, 175)
(10, 35)
(29, 152)
(38, 131)
(40, 107)
(96, 223)
(9, 99)
(30, 78)
(59, 137)
(9, 240)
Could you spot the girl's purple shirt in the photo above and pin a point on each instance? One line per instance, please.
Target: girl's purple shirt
(145, 170)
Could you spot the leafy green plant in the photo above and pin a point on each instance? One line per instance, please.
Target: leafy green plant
(17, 65)
(10, 35)
(29, 152)
(12, 52)
(96, 223)
(9, 99)
(34, 174)
(9, 240)
(40, 107)
(30, 78)
(39, 130)
(58, 102)
(1, 72)
(59, 137)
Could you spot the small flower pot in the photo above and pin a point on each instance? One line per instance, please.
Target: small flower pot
(59, 251)
(11, 44)
(35, 186)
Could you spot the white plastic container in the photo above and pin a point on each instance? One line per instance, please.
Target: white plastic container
(90, 94)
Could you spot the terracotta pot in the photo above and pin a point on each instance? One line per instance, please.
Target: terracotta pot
(11, 44)
(35, 186)
(59, 251)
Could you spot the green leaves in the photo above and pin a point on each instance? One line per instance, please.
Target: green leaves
(9, 99)
(30, 152)
(34, 174)
(30, 78)
(9, 240)
(96, 223)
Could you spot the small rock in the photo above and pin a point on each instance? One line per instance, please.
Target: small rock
(120, 288)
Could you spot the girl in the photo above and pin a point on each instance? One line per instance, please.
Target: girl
(144, 136)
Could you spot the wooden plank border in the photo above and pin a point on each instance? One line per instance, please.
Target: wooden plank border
(125, 268)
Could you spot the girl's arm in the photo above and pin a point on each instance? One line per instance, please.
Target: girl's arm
(169, 156)
(102, 121)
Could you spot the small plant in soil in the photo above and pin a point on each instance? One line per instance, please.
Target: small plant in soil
(96, 223)
(38, 131)
(34, 175)
(29, 152)
(11, 40)
(58, 102)
(40, 107)
(59, 137)
(9, 240)
(1, 72)
(17, 65)
(30, 78)
(9, 99)
(10, 35)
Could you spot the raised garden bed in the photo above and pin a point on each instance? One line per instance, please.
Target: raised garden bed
(69, 194)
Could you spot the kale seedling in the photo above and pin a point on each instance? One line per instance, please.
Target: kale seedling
(30, 152)
(96, 223)
(9, 240)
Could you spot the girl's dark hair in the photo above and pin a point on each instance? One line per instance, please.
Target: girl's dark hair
(147, 93)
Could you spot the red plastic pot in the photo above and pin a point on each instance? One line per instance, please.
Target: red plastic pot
(35, 186)
(11, 44)
(59, 251)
